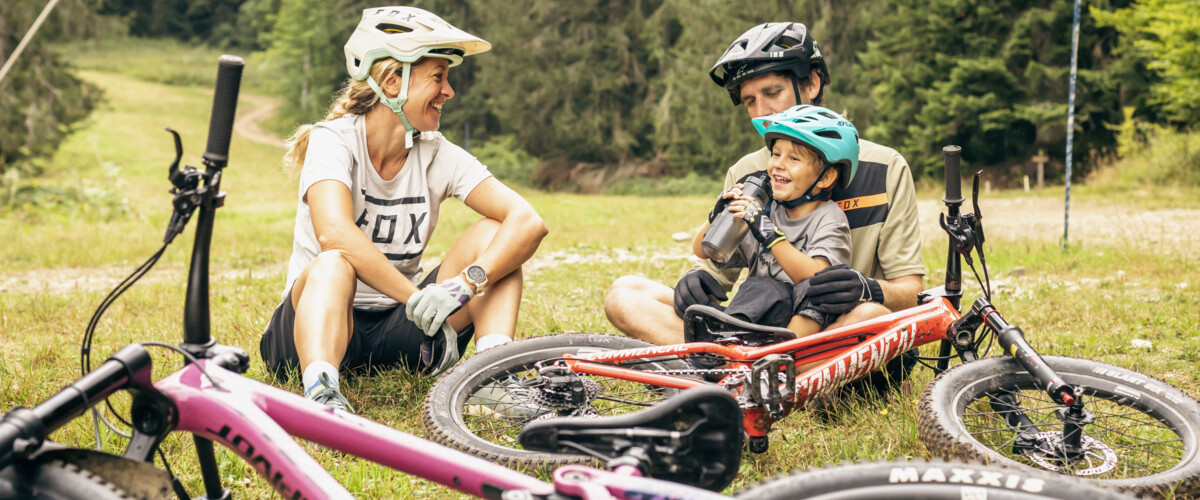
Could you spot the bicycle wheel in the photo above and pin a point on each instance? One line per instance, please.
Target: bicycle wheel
(1145, 436)
(54, 480)
(930, 480)
(481, 405)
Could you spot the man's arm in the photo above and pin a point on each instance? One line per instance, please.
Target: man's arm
(901, 293)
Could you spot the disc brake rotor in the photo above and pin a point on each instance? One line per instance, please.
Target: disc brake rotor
(1099, 457)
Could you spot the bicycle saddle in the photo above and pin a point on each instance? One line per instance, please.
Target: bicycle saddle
(694, 438)
(703, 323)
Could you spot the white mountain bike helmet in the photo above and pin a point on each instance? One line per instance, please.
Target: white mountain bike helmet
(406, 34)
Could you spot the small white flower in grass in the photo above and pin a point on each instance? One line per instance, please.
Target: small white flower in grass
(681, 236)
(1181, 286)
(1143, 344)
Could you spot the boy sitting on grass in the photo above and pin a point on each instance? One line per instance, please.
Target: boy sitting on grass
(812, 148)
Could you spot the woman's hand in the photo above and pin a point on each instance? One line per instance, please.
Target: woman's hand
(430, 306)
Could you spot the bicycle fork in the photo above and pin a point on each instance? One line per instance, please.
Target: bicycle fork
(1012, 340)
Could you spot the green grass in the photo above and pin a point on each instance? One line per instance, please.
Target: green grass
(1091, 301)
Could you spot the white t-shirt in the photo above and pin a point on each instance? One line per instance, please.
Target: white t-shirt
(398, 215)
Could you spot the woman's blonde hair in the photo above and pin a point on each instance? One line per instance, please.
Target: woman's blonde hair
(355, 97)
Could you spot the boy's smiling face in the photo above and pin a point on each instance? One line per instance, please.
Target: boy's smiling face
(793, 168)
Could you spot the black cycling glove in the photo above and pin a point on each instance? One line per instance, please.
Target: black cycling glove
(695, 288)
(721, 206)
(761, 226)
(838, 289)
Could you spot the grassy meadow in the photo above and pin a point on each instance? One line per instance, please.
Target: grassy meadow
(57, 264)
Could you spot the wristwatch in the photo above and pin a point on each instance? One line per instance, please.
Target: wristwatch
(476, 277)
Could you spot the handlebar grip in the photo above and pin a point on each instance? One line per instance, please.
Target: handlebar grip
(220, 126)
(951, 156)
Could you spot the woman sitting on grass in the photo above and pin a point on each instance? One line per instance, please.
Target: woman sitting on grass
(373, 174)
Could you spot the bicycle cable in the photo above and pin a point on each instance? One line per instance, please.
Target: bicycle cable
(176, 484)
(89, 336)
(85, 350)
(190, 359)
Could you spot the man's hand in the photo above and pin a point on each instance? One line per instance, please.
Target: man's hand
(838, 289)
(430, 306)
(694, 288)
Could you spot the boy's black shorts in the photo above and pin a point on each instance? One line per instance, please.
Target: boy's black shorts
(381, 339)
(770, 302)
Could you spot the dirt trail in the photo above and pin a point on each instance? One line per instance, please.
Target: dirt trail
(1168, 231)
(249, 123)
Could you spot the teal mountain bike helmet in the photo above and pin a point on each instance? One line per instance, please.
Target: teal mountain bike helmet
(831, 136)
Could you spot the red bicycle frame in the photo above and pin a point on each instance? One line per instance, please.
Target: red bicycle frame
(843, 354)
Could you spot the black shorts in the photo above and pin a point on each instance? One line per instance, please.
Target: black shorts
(381, 339)
(770, 302)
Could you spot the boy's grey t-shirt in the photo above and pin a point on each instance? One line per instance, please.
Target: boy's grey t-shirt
(823, 233)
(398, 215)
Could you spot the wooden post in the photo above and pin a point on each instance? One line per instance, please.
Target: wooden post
(1041, 160)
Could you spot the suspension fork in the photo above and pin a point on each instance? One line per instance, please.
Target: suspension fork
(1072, 414)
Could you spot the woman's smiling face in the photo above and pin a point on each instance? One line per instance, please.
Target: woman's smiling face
(428, 90)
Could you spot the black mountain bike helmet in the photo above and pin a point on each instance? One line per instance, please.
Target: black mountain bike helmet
(770, 47)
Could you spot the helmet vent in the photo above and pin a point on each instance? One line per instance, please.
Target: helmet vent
(828, 115)
(392, 29)
(829, 134)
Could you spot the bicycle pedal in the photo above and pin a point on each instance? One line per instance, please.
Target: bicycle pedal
(772, 381)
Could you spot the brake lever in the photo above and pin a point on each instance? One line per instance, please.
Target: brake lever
(187, 196)
(174, 169)
(978, 224)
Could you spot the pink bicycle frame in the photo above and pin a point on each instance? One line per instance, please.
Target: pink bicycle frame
(257, 421)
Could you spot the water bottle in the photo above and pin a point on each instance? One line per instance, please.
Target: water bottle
(727, 231)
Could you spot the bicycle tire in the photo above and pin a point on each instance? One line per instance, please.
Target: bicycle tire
(55, 480)
(445, 413)
(928, 480)
(1161, 419)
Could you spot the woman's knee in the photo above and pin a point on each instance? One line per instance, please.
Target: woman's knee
(330, 265)
(329, 271)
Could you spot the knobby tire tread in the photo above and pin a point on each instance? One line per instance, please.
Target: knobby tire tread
(870, 479)
(444, 429)
(943, 441)
(56, 479)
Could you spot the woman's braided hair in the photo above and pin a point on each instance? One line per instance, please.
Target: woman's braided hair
(355, 97)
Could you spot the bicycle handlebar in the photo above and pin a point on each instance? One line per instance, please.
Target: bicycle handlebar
(23, 430)
(951, 155)
(220, 126)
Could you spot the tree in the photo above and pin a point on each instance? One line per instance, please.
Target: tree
(990, 75)
(1165, 36)
(40, 99)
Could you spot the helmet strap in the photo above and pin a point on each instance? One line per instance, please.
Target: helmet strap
(397, 104)
(809, 195)
(796, 89)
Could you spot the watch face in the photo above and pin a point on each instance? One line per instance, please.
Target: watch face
(476, 274)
